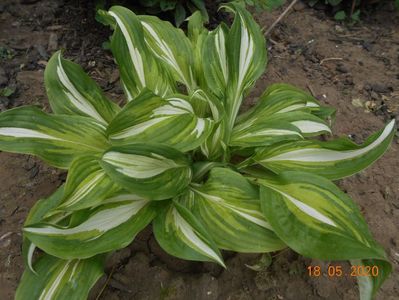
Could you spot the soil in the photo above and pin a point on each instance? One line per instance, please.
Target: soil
(352, 68)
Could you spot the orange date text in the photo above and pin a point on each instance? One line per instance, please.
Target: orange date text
(340, 271)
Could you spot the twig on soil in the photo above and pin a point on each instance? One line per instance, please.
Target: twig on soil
(330, 58)
(278, 253)
(352, 8)
(280, 17)
(106, 283)
(272, 41)
(311, 90)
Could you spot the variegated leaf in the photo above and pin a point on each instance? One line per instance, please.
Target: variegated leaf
(87, 185)
(332, 159)
(171, 47)
(60, 279)
(71, 91)
(57, 139)
(214, 147)
(169, 121)
(267, 130)
(278, 99)
(369, 285)
(180, 234)
(153, 171)
(108, 227)
(264, 134)
(207, 105)
(316, 219)
(308, 124)
(197, 34)
(246, 58)
(36, 215)
(228, 205)
(137, 66)
(215, 60)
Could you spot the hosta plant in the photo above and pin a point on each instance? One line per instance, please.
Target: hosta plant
(180, 156)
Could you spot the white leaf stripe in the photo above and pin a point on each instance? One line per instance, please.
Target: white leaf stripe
(139, 166)
(74, 269)
(306, 209)
(310, 211)
(168, 55)
(49, 291)
(268, 132)
(31, 250)
(168, 110)
(291, 108)
(312, 104)
(127, 92)
(307, 126)
(121, 198)
(137, 129)
(98, 223)
(327, 155)
(16, 132)
(220, 43)
(246, 53)
(76, 98)
(190, 234)
(25, 133)
(199, 127)
(135, 55)
(178, 102)
(84, 190)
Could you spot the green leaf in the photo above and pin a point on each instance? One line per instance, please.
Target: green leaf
(108, 227)
(246, 57)
(340, 15)
(71, 91)
(172, 49)
(200, 4)
(333, 159)
(7, 91)
(137, 67)
(169, 121)
(180, 14)
(60, 279)
(180, 234)
(167, 4)
(356, 16)
(104, 18)
(57, 139)
(152, 171)
(264, 262)
(87, 185)
(228, 205)
(316, 219)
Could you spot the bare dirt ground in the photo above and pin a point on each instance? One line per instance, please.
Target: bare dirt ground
(354, 69)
